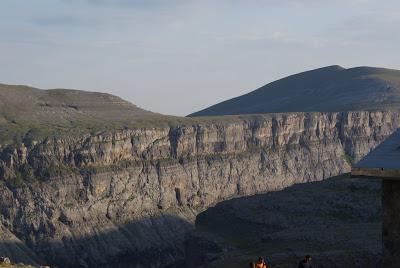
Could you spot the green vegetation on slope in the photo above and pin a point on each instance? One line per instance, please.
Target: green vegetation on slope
(27, 113)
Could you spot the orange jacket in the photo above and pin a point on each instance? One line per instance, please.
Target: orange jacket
(261, 265)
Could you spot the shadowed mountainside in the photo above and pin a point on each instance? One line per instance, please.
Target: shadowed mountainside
(328, 89)
(115, 246)
(336, 220)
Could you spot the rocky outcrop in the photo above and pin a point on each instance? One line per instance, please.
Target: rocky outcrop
(126, 197)
(5, 262)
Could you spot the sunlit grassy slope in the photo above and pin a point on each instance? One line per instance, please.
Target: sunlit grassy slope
(30, 112)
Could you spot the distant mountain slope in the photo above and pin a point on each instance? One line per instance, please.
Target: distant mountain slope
(24, 108)
(327, 89)
(27, 103)
(27, 112)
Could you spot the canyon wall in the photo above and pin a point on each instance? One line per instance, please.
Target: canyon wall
(129, 197)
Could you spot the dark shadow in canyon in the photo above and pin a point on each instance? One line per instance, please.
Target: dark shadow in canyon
(336, 220)
(151, 242)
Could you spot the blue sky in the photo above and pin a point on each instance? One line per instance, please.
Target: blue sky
(176, 57)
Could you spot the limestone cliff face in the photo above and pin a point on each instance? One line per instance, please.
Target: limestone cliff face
(127, 196)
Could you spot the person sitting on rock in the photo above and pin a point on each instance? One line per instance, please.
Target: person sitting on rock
(261, 263)
(306, 262)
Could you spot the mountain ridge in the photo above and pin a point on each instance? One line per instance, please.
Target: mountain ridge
(327, 89)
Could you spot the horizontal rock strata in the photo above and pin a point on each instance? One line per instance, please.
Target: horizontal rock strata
(131, 196)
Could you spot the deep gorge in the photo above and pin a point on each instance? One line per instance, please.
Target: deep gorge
(131, 195)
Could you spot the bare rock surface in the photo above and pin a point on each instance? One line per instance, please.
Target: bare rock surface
(5, 262)
(132, 195)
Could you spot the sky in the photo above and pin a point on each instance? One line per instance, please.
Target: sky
(179, 56)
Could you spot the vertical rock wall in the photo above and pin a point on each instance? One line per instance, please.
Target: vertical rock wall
(132, 194)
